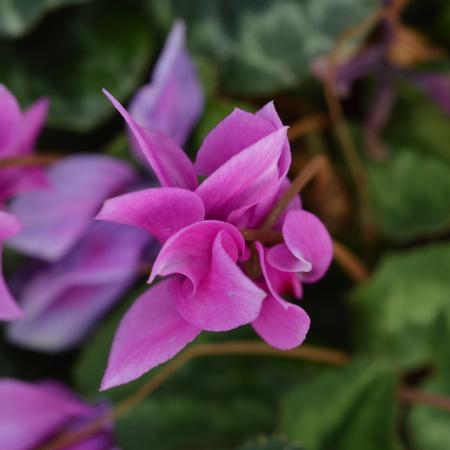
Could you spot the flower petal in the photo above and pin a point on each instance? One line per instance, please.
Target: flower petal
(173, 101)
(161, 211)
(170, 164)
(307, 238)
(30, 413)
(225, 298)
(281, 324)
(188, 252)
(281, 258)
(245, 179)
(54, 219)
(10, 120)
(9, 225)
(237, 131)
(151, 332)
(63, 301)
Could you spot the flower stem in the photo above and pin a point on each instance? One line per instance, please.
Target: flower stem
(299, 182)
(29, 160)
(304, 126)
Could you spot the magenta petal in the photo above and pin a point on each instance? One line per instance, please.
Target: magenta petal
(173, 101)
(55, 218)
(29, 414)
(307, 238)
(9, 226)
(237, 131)
(10, 120)
(281, 258)
(151, 332)
(62, 302)
(32, 123)
(281, 324)
(245, 179)
(188, 252)
(170, 164)
(225, 298)
(161, 211)
(269, 113)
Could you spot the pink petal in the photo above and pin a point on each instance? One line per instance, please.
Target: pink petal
(236, 132)
(62, 302)
(170, 164)
(188, 252)
(307, 238)
(55, 218)
(32, 123)
(269, 113)
(161, 211)
(225, 298)
(10, 121)
(151, 332)
(281, 258)
(173, 101)
(281, 324)
(245, 179)
(29, 414)
(9, 225)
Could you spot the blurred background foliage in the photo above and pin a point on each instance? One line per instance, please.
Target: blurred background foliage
(395, 324)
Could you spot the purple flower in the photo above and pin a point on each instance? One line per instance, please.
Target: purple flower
(18, 133)
(61, 300)
(31, 414)
(209, 283)
(9, 225)
(173, 101)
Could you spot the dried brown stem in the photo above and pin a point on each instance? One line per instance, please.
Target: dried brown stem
(411, 395)
(307, 125)
(351, 264)
(29, 160)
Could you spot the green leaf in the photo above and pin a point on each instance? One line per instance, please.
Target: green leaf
(17, 16)
(428, 425)
(270, 443)
(74, 56)
(395, 310)
(181, 422)
(411, 193)
(262, 46)
(350, 408)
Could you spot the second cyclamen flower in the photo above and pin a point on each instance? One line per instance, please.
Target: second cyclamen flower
(208, 268)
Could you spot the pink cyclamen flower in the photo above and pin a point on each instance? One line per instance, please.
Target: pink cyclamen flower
(18, 133)
(173, 100)
(210, 282)
(9, 225)
(86, 275)
(33, 413)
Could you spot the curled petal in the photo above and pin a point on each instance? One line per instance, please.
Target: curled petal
(170, 164)
(55, 218)
(281, 258)
(188, 252)
(307, 238)
(225, 298)
(281, 324)
(245, 179)
(237, 131)
(151, 332)
(173, 101)
(161, 211)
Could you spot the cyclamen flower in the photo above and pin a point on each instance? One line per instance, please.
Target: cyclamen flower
(173, 101)
(9, 225)
(18, 133)
(63, 299)
(32, 414)
(209, 283)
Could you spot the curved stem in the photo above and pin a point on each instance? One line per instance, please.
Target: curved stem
(29, 160)
(351, 264)
(309, 124)
(255, 348)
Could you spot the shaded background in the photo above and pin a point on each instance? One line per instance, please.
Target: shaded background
(396, 324)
